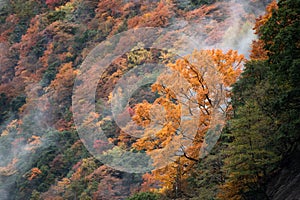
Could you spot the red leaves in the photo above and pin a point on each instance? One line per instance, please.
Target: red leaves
(53, 3)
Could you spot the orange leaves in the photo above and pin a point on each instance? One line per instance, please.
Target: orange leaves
(163, 113)
(149, 183)
(201, 12)
(66, 73)
(176, 123)
(263, 19)
(34, 173)
(47, 53)
(157, 18)
(142, 114)
(228, 64)
(108, 8)
(258, 52)
(62, 84)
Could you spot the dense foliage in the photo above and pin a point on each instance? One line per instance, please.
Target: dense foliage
(44, 43)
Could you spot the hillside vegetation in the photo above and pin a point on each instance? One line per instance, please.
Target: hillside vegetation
(155, 99)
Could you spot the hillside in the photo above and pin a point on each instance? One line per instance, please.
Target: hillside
(156, 99)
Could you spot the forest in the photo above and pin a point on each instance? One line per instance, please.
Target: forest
(149, 99)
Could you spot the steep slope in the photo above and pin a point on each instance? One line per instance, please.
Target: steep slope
(42, 46)
(285, 183)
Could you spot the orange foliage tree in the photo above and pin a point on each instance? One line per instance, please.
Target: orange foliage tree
(34, 173)
(157, 18)
(194, 96)
(258, 52)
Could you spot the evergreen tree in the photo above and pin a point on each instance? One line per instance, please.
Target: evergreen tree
(266, 108)
(251, 154)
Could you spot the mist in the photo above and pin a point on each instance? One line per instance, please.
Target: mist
(19, 150)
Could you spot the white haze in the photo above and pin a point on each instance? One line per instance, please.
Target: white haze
(237, 36)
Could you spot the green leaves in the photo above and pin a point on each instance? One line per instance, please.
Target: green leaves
(252, 153)
(282, 38)
(144, 196)
(266, 108)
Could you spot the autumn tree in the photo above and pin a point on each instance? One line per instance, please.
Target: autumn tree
(176, 123)
(258, 52)
(157, 18)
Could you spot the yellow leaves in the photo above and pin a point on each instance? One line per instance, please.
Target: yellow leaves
(64, 182)
(165, 56)
(147, 116)
(34, 140)
(145, 142)
(5, 132)
(67, 8)
(33, 143)
(147, 15)
(172, 110)
(12, 127)
(166, 175)
(139, 54)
